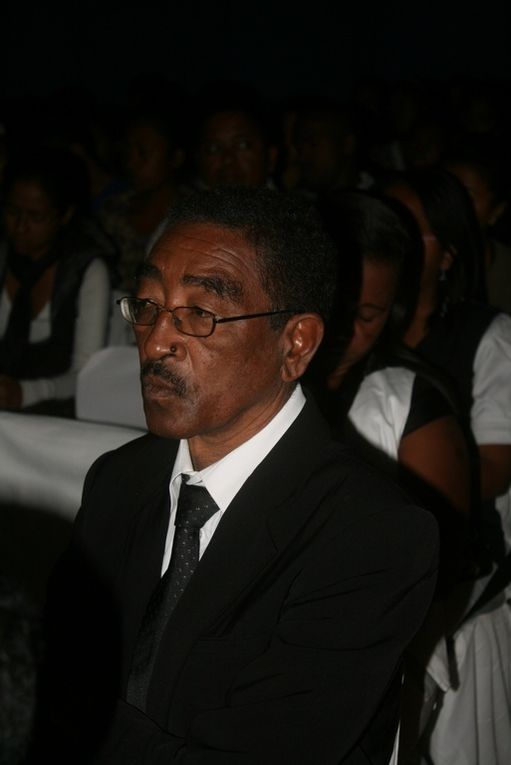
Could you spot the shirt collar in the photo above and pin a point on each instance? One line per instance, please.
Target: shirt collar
(223, 479)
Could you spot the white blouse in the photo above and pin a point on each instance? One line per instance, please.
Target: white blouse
(491, 386)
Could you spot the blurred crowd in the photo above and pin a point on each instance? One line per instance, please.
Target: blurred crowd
(86, 186)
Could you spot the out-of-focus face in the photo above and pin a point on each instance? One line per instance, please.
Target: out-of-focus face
(148, 157)
(215, 390)
(378, 290)
(31, 220)
(321, 152)
(232, 152)
(436, 259)
(423, 145)
(482, 196)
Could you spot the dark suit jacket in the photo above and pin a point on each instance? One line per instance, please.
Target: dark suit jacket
(286, 645)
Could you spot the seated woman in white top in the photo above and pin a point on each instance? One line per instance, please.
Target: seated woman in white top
(54, 284)
(453, 327)
(380, 259)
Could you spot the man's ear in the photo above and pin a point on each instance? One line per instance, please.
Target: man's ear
(301, 338)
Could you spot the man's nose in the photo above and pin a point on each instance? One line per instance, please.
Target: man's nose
(161, 337)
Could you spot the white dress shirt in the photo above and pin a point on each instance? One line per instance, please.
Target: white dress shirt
(223, 479)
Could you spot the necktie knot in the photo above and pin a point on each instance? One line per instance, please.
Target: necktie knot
(195, 506)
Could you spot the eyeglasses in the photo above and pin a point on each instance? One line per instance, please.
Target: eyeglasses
(189, 320)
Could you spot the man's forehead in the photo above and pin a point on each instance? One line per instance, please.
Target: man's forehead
(210, 238)
(215, 257)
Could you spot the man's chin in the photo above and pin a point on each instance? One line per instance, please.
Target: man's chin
(162, 422)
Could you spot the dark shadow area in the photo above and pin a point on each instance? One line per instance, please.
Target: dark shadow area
(30, 542)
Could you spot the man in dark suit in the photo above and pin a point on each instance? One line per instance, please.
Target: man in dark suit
(285, 644)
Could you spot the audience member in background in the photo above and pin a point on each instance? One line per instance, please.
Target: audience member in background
(452, 326)
(480, 167)
(368, 103)
(287, 171)
(54, 284)
(152, 159)
(234, 144)
(326, 147)
(380, 257)
(395, 409)
(471, 341)
(72, 118)
(87, 135)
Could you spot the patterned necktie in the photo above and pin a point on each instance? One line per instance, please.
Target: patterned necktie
(195, 507)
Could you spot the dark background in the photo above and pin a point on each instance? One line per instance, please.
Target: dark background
(281, 47)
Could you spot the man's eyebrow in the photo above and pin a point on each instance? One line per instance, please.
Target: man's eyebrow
(218, 285)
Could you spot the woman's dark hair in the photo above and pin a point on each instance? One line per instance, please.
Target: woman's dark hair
(451, 216)
(365, 226)
(59, 173)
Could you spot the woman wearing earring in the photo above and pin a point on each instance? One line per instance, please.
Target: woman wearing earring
(453, 326)
(478, 164)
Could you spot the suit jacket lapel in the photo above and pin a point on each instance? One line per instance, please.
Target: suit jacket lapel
(146, 515)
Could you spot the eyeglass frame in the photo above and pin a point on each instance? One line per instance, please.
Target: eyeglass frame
(214, 319)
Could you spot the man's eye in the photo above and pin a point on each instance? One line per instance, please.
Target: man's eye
(200, 313)
(147, 305)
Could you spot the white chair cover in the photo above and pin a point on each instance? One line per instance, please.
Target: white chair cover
(108, 388)
(44, 460)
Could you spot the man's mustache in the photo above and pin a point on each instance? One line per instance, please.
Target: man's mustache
(158, 369)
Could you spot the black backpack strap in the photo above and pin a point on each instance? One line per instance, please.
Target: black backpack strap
(497, 583)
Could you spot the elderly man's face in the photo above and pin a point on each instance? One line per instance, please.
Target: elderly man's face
(217, 390)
